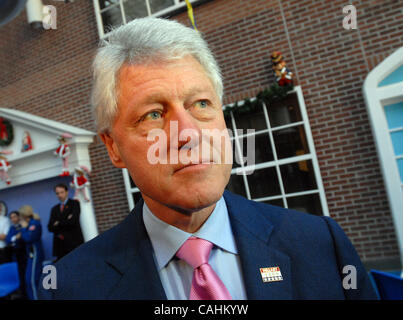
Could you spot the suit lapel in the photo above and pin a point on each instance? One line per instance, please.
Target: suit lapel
(253, 235)
(131, 255)
(134, 261)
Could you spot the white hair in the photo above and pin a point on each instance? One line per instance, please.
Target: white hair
(142, 41)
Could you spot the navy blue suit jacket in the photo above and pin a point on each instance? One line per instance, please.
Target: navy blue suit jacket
(310, 251)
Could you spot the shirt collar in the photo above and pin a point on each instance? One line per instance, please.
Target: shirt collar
(167, 239)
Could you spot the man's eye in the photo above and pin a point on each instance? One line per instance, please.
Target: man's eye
(153, 115)
(202, 104)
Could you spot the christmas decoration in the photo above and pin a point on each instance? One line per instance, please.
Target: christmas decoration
(63, 152)
(26, 142)
(5, 166)
(281, 72)
(80, 182)
(274, 93)
(6, 132)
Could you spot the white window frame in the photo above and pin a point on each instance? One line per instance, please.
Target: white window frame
(278, 162)
(129, 189)
(376, 99)
(98, 13)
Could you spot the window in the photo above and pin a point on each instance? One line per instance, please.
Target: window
(383, 92)
(286, 171)
(132, 192)
(112, 13)
(394, 118)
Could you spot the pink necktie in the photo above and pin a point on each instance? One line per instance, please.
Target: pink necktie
(206, 285)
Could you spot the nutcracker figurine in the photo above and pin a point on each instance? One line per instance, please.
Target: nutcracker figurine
(80, 182)
(63, 152)
(282, 73)
(26, 142)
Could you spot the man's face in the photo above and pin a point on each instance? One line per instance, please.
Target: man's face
(14, 218)
(163, 96)
(61, 193)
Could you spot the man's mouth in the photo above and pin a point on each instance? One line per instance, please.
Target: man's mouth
(194, 166)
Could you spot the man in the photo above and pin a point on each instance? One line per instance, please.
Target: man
(189, 239)
(64, 222)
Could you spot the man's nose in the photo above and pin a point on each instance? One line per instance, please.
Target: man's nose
(187, 127)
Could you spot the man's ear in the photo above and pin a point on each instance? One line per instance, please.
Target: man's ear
(113, 150)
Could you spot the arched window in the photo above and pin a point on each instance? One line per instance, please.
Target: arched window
(383, 91)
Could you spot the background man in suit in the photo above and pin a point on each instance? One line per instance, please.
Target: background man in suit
(189, 239)
(64, 222)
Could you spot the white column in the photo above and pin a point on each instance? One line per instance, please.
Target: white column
(87, 217)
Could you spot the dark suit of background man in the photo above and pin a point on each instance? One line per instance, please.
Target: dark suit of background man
(188, 238)
(64, 222)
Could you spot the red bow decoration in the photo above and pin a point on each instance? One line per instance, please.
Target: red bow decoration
(3, 130)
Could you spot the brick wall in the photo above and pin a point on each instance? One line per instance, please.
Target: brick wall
(48, 73)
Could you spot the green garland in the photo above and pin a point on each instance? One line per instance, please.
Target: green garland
(273, 93)
(8, 128)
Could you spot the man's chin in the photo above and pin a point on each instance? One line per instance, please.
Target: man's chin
(190, 202)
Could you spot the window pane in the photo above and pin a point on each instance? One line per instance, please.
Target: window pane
(290, 142)
(395, 77)
(397, 141)
(263, 183)
(135, 9)
(400, 166)
(298, 176)
(136, 197)
(107, 3)
(235, 152)
(158, 5)
(394, 115)
(309, 203)
(132, 184)
(112, 18)
(251, 120)
(285, 111)
(277, 202)
(262, 148)
(236, 185)
(228, 123)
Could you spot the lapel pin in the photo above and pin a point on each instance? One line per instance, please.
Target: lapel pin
(271, 274)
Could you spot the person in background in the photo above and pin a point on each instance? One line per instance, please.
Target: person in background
(31, 233)
(4, 227)
(64, 222)
(18, 250)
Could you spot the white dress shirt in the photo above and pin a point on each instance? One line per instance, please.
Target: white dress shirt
(176, 275)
